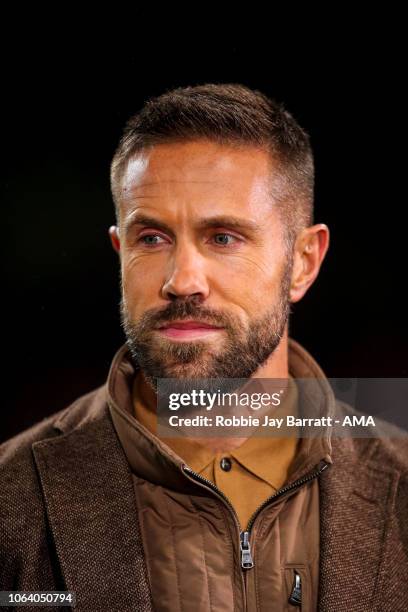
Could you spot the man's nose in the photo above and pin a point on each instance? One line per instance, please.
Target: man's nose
(186, 275)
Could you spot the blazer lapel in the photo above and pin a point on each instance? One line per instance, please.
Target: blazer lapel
(91, 507)
(356, 498)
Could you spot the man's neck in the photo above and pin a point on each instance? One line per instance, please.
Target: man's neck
(276, 366)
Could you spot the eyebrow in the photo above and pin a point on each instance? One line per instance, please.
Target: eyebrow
(206, 223)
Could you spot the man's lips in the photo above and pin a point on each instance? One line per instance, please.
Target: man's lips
(188, 325)
(187, 329)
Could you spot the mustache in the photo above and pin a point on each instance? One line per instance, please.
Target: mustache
(180, 309)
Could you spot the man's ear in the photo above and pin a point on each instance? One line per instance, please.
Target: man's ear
(114, 238)
(310, 249)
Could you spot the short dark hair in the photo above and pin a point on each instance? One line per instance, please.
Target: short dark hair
(230, 114)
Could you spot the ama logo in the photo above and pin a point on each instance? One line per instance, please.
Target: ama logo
(354, 420)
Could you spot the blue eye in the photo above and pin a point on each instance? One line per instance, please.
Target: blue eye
(150, 239)
(224, 239)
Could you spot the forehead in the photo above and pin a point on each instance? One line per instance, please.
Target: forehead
(199, 174)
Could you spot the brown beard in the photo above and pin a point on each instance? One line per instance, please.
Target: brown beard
(243, 353)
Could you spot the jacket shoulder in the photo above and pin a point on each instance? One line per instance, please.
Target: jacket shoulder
(18, 447)
(382, 442)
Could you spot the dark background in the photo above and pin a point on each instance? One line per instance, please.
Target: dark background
(66, 98)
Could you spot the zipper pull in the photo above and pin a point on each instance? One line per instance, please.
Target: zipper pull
(296, 596)
(246, 557)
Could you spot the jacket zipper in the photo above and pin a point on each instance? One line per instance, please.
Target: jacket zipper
(247, 561)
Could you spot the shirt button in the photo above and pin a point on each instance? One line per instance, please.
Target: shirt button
(225, 464)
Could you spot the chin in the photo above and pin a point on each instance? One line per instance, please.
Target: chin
(186, 370)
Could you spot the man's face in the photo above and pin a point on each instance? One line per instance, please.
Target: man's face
(205, 274)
